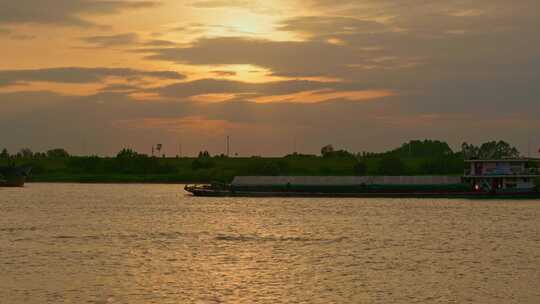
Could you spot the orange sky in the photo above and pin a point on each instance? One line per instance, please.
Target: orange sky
(324, 71)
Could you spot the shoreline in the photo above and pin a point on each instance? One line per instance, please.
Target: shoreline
(115, 179)
(113, 182)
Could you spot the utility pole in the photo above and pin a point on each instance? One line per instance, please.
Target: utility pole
(180, 149)
(84, 147)
(528, 144)
(228, 146)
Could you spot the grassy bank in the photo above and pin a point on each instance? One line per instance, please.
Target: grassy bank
(223, 169)
(427, 157)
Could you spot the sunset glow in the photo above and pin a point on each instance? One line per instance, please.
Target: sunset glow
(267, 63)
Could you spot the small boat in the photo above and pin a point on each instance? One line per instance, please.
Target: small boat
(12, 176)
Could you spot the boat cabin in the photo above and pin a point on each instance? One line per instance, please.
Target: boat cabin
(502, 175)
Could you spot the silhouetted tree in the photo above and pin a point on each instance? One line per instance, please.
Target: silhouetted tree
(425, 148)
(26, 153)
(57, 153)
(327, 150)
(299, 155)
(40, 155)
(489, 150)
(203, 154)
(4, 154)
(127, 153)
(469, 151)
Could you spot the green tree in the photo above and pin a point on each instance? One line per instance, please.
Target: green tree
(4, 154)
(360, 168)
(92, 164)
(203, 163)
(490, 150)
(425, 148)
(437, 166)
(271, 169)
(469, 151)
(391, 165)
(500, 149)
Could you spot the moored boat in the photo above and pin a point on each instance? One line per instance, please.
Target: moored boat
(13, 176)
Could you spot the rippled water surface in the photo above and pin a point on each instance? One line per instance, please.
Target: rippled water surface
(69, 243)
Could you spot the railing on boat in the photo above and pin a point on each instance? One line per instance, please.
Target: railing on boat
(526, 172)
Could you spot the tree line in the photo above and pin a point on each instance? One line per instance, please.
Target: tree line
(413, 149)
(26, 153)
(418, 157)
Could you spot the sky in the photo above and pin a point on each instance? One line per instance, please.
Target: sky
(277, 76)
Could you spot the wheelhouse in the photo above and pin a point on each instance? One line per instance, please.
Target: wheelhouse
(502, 175)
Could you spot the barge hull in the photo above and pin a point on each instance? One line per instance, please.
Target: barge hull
(448, 195)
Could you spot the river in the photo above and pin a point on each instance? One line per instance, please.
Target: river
(82, 243)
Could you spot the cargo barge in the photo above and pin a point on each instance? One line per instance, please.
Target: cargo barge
(505, 178)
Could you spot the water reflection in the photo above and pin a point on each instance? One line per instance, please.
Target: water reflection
(152, 244)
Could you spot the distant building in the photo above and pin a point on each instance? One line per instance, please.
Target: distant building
(502, 175)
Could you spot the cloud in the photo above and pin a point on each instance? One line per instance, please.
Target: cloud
(159, 43)
(10, 34)
(120, 88)
(439, 16)
(122, 40)
(417, 49)
(80, 75)
(456, 70)
(223, 3)
(22, 37)
(216, 86)
(330, 25)
(189, 124)
(283, 58)
(256, 6)
(109, 121)
(269, 91)
(224, 73)
(125, 40)
(63, 12)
